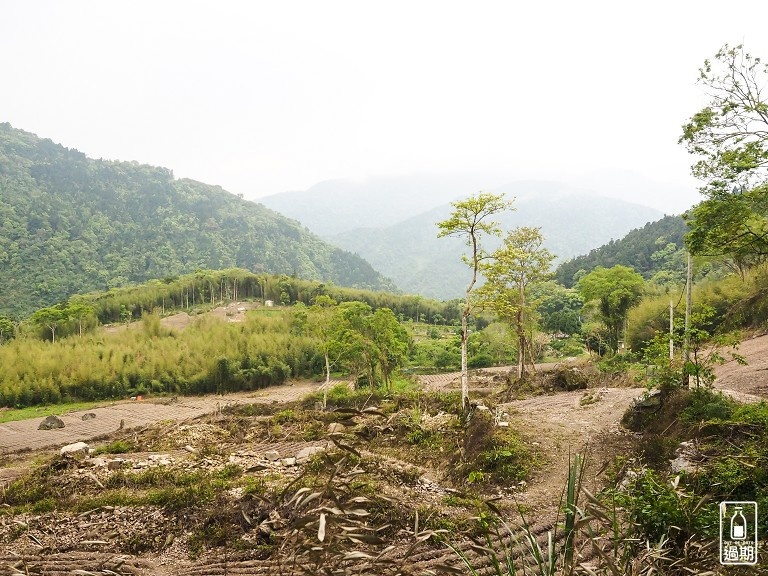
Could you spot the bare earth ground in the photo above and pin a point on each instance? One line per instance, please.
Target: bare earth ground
(556, 426)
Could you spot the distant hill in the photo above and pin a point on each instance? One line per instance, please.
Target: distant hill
(572, 222)
(649, 250)
(337, 206)
(71, 224)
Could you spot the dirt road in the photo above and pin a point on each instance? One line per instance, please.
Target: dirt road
(23, 434)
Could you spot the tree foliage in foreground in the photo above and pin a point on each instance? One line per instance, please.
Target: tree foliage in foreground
(729, 137)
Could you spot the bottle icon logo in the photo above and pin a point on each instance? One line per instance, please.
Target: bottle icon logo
(738, 533)
(738, 525)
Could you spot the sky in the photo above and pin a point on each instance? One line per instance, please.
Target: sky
(262, 97)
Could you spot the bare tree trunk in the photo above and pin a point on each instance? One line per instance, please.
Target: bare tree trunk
(464, 374)
(327, 381)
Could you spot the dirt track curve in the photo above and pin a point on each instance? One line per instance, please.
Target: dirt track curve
(554, 425)
(23, 435)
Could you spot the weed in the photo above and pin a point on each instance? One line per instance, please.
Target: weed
(116, 447)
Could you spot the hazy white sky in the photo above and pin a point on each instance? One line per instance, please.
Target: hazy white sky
(263, 97)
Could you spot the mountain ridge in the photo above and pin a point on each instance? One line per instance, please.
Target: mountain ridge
(70, 224)
(572, 221)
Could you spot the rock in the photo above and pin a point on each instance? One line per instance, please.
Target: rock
(288, 462)
(51, 423)
(190, 449)
(503, 424)
(89, 416)
(686, 458)
(115, 464)
(306, 453)
(272, 455)
(336, 428)
(76, 450)
(649, 403)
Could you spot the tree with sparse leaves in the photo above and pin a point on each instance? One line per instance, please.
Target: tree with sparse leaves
(511, 271)
(730, 138)
(470, 220)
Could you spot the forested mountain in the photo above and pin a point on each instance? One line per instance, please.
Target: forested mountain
(337, 206)
(653, 249)
(572, 222)
(71, 224)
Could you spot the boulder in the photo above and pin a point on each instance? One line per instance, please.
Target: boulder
(89, 416)
(76, 450)
(51, 423)
(115, 464)
(306, 453)
(336, 428)
(272, 455)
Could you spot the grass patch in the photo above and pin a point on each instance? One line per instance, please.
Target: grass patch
(14, 414)
(116, 447)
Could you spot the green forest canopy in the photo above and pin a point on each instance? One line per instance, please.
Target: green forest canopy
(70, 224)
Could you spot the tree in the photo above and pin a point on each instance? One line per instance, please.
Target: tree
(320, 321)
(730, 138)
(79, 311)
(559, 307)
(470, 221)
(7, 328)
(51, 318)
(617, 290)
(520, 262)
(391, 341)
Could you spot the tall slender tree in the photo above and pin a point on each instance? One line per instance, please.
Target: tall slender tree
(520, 262)
(470, 220)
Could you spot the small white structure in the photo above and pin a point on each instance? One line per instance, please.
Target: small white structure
(269, 303)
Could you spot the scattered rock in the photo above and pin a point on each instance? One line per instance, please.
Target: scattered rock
(686, 458)
(566, 378)
(336, 428)
(306, 453)
(76, 450)
(190, 449)
(89, 416)
(650, 403)
(115, 464)
(272, 455)
(51, 423)
(288, 462)
(440, 421)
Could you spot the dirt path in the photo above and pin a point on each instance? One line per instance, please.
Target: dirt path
(751, 378)
(23, 435)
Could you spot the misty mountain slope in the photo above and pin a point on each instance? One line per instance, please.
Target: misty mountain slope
(337, 206)
(72, 224)
(572, 223)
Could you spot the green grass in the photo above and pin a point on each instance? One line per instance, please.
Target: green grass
(14, 414)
